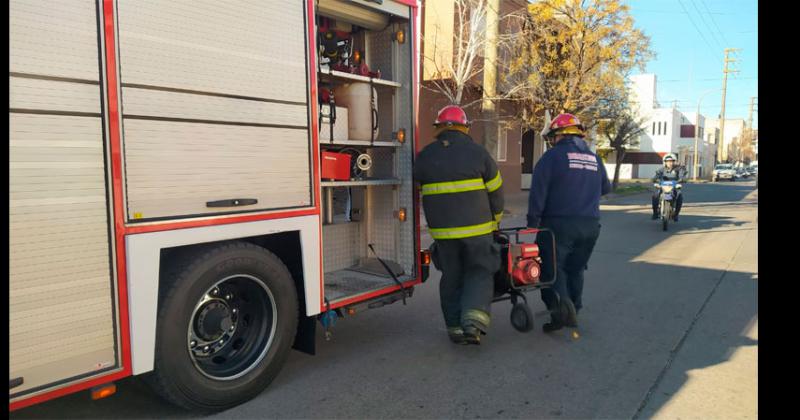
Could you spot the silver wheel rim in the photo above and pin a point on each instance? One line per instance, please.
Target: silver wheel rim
(228, 314)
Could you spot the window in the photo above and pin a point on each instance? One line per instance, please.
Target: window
(502, 144)
(654, 128)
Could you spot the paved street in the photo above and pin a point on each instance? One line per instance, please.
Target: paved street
(669, 329)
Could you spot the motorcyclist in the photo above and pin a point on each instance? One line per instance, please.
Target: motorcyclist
(671, 171)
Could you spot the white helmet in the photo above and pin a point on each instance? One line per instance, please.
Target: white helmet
(671, 157)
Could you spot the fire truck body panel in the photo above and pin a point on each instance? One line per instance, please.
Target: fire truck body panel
(139, 130)
(144, 252)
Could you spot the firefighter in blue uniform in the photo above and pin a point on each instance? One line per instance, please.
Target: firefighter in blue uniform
(565, 197)
(462, 195)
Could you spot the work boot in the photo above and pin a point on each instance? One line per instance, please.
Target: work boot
(472, 335)
(555, 324)
(569, 315)
(675, 218)
(655, 216)
(456, 335)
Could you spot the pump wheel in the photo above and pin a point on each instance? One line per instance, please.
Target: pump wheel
(522, 317)
(226, 322)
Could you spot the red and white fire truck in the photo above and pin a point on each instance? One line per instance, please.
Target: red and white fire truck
(195, 185)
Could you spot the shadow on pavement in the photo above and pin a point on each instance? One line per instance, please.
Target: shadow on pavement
(641, 337)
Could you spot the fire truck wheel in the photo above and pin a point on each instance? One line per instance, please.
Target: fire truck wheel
(226, 322)
(522, 317)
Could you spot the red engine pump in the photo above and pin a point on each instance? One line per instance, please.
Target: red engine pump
(526, 268)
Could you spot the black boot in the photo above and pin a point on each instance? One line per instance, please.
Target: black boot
(555, 324)
(569, 315)
(456, 335)
(655, 216)
(472, 335)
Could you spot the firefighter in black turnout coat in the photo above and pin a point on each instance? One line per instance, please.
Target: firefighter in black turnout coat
(462, 195)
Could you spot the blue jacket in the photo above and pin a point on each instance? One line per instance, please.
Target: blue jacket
(567, 182)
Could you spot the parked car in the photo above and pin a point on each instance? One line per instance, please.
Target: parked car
(724, 171)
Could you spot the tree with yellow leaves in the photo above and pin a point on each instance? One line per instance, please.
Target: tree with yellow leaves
(574, 56)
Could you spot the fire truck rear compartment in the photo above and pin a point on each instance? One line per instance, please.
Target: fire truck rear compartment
(374, 207)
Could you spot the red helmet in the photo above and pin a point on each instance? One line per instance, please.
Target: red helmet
(450, 115)
(566, 124)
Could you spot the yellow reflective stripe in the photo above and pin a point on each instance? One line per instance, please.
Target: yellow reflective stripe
(453, 186)
(495, 183)
(463, 231)
(498, 216)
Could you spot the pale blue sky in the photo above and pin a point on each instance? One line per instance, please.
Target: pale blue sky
(689, 37)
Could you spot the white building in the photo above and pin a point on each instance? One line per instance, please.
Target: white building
(666, 130)
(734, 129)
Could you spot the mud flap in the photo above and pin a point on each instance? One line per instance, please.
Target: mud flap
(305, 339)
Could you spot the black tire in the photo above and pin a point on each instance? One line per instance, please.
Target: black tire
(522, 317)
(247, 280)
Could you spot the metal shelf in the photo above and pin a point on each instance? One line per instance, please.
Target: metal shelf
(358, 78)
(361, 183)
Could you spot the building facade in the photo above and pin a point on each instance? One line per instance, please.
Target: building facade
(665, 130)
(438, 26)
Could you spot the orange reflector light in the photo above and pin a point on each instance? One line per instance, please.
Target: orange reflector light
(357, 56)
(400, 36)
(401, 214)
(401, 135)
(426, 257)
(103, 391)
(351, 311)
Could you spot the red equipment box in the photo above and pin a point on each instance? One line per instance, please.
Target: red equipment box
(336, 166)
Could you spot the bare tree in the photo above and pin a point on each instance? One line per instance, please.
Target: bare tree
(621, 133)
(455, 60)
(452, 72)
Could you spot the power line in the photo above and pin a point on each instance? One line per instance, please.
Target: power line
(705, 25)
(714, 21)
(703, 80)
(698, 30)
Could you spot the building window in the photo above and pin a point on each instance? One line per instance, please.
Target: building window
(502, 144)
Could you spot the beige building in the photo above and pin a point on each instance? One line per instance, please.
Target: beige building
(438, 25)
(735, 130)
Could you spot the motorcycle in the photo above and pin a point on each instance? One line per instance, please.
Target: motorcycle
(669, 193)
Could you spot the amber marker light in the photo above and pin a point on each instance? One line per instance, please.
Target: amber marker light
(400, 135)
(400, 36)
(103, 391)
(401, 214)
(426, 257)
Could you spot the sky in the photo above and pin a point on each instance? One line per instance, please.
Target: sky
(688, 37)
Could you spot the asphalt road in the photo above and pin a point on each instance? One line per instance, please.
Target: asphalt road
(669, 329)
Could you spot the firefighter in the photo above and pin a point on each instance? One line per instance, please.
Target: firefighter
(565, 197)
(462, 195)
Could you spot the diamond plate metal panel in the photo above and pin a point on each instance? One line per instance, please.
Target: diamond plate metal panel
(343, 246)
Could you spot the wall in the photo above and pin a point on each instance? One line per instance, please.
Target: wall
(429, 105)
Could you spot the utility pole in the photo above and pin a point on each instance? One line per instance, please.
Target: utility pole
(725, 71)
(750, 123)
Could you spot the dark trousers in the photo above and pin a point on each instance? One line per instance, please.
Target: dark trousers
(466, 289)
(657, 198)
(575, 241)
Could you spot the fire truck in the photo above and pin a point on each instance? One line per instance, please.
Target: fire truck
(197, 187)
